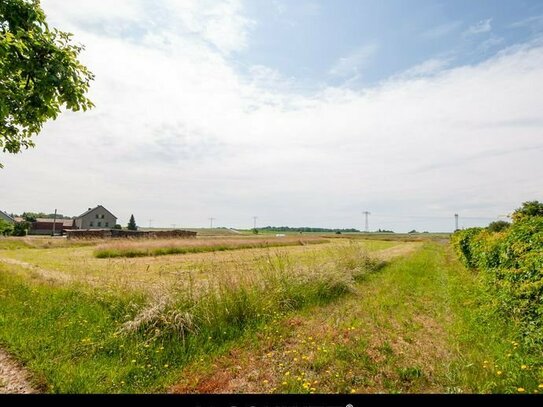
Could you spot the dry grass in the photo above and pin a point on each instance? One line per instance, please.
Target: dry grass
(145, 248)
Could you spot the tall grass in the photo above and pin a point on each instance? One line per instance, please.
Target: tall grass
(83, 339)
(166, 247)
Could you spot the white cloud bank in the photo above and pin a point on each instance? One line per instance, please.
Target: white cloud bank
(179, 135)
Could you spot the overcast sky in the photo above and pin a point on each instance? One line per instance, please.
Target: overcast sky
(303, 113)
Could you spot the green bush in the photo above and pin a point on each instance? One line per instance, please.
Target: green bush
(498, 226)
(5, 228)
(512, 265)
(21, 229)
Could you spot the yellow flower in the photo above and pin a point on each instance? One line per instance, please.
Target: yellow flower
(284, 383)
(287, 373)
(523, 367)
(521, 390)
(499, 372)
(133, 360)
(540, 386)
(353, 390)
(265, 381)
(166, 365)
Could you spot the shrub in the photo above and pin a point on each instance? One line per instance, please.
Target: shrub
(512, 264)
(5, 228)
(498, 226)
(20, 229)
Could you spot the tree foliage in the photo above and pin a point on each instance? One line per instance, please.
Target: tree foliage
(498, 226)
(21, 229)
(132, 223)
(527, 210)
(5, 228)
(39, 73)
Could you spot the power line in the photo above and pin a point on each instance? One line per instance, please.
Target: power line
(211, 222)
(254, 221)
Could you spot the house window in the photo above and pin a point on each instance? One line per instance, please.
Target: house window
(103, 216)
(91, 224)
(107, 224)
(97, 216)
(99, 224)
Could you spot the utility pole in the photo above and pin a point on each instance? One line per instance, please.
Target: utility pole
(455, 221)
(254, 221)
(150, 222)
(173, 225)
(54, 223)
(211, 222)
(366, 213)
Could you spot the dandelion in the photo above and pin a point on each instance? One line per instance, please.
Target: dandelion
(524, 367)
(133, 360)
(353, 391)
(284, 383)
(287, 373)
(122, 381)
(295, 359)
(499, 372)
(265, 381)
(540, 386)
(521, 390)
(166, 365)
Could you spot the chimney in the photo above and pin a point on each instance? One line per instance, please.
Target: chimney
(90, 209)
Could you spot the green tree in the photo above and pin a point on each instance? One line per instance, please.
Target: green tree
(527, 210)
(39, 73)
(5, 228)
(21, 229)
(498, 226)
(132, 223)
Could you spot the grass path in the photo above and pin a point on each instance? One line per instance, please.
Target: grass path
(414, 327)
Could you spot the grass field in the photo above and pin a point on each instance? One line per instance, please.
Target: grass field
(350, 315)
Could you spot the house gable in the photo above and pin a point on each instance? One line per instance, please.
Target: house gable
(91, 210)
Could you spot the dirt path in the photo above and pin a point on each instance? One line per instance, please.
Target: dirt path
(13, 378)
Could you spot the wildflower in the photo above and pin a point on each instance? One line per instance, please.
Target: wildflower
(166, 365)
(265, 381)
(521, 390)
(313, 389)
(122, 381)
(133, 360)
(540, 386)
(287, 373)
(353, 390)
(499, 372)
(295, 359)
(524, 367)
(284, 383)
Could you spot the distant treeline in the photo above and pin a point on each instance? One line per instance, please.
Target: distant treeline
(32, 216)
(304, 229)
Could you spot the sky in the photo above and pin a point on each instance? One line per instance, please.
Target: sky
(302, 113)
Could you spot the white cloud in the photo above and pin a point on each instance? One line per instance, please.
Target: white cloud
(482, 26)
(352, 64)
(179, 135)
(429, 67)
(442, 30)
